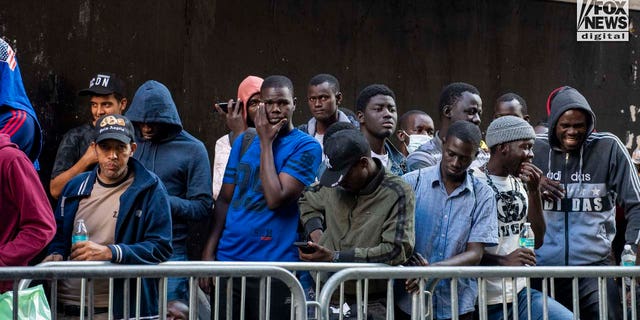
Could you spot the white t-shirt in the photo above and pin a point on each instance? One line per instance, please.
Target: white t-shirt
(512, 205)
(384, 158)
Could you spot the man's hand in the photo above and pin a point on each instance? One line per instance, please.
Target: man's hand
(416, 260)
(233, 117)
(90, 157)
(519, 257)
(53, 257)
(90, 251)
(206, 284)
(531, 175)
(321, 254)
(551, 190)
(316, 235)
(267, 131)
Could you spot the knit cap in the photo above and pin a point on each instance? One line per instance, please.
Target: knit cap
(507, 129)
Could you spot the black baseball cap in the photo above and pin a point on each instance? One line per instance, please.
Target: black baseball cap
(114, 126)
(104, 83)
(343, 149)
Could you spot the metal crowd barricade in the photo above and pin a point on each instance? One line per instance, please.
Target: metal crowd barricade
(321, 269)
(97, 270)
(420, 311)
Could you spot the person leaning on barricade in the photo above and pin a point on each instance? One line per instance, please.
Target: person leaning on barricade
(368, 213)
(163, 146)
(455, 220)
(587, 174)
(126, 211)
(514, 181)
(256, 214)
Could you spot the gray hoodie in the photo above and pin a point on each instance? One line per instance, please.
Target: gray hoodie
(581, 227)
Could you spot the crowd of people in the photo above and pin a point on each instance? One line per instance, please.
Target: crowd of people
(445, 197)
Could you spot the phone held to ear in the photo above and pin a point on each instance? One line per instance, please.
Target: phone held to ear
(304, 247)
(225, 106)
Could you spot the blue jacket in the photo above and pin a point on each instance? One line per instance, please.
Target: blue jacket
(13, 95)
(180, 160)
(143, 229)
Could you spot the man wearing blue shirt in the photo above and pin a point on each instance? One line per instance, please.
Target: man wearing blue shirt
(455, 218)
(256, 214)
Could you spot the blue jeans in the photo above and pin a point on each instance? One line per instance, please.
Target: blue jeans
(555, 309)
(177, 288)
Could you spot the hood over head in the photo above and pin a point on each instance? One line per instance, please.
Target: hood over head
(563, 99)
(153, 103)
(248, 87)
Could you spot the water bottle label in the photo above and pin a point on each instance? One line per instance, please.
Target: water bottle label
(628, 263)
(78, 238)
(527, 243)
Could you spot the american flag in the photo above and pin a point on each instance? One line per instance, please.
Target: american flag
(7, 55)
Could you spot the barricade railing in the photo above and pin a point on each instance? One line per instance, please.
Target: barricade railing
(321, 271)
(341, 272)
(88, 271)
(337, 280)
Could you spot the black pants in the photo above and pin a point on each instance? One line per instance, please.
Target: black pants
(280, 303)
(588, 291)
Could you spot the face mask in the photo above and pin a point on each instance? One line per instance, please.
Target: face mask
(416, 140)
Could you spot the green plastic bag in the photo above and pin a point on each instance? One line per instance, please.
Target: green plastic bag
(32, 304)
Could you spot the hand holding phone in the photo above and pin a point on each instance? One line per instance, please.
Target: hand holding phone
(304, 247)
(224, 106)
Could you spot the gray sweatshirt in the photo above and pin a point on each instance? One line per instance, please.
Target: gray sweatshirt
(581, 227)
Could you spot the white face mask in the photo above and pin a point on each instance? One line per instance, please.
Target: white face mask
(416, 140)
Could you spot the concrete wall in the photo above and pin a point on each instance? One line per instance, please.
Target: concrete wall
(202, 49)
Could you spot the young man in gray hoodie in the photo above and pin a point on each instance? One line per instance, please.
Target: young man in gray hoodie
(587, 174)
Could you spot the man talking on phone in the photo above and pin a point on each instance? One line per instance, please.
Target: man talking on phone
(368, 212)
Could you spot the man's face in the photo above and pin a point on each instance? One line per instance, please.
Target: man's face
(150, 131)
(103, 105)
(420, 124)
(252, 107)
(177, 310)
(113, 156)
(571, 129)
(518, 152)
(356, 177)
(467, 107)
(379, 116)
(323, 101)
(456, 158)
(279, 104)
(509, 108)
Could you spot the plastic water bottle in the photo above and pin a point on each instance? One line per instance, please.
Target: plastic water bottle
(527, 238)
(79, 232)
(628, 259)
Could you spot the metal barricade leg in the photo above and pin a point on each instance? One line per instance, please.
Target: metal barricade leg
(162, 298)
(454, 298)
(193, 298)
(576, 298)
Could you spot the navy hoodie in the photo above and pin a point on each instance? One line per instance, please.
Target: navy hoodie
(581, 227)
(180, 160)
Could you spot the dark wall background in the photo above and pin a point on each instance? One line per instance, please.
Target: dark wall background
(202, 49)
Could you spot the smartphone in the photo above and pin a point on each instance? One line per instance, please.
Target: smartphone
(225, 106)
(304, 247)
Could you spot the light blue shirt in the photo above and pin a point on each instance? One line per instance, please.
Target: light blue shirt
(445, 223)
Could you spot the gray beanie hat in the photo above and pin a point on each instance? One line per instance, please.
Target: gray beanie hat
(507, 129)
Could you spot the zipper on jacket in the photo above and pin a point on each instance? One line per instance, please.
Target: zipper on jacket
(62, 205)
(566, 213)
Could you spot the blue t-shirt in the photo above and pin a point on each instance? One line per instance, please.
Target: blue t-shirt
(252, 231)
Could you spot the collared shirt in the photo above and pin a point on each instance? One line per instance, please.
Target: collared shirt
(430, 153)
(445, 223)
